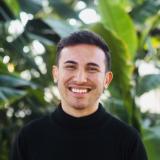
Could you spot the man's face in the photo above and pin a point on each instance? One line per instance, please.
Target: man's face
(81, 77)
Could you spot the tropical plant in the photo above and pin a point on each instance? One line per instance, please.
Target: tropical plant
(30, 30)
(127, 36)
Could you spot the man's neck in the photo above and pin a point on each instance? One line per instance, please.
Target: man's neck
(79, 112)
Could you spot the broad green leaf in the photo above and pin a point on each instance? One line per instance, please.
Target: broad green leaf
(121, 64)
(145, 10)
(36, 98)
(147, 83)
(116, 107)
(14, 6)
(60, 27)
(12, 81)
(16, 53)
(64, 9)
(44, 33)
(50, 57)
(3, 67)
(10, 95)
(5, 12)
(2, 29)
(121, 3)
(45, 39)
(152, 142)
(137, 2)
(30, 6)
(118, 21)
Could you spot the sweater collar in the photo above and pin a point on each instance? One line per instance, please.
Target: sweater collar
(93, 120)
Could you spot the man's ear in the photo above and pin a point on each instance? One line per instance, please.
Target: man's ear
(108, 79)
(55, 73)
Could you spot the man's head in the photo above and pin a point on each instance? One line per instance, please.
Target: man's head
(81, 72)
(84, 37)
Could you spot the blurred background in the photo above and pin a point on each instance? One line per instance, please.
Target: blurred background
(29, 32)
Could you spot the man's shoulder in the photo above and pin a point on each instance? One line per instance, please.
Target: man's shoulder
(37, 125)
(116, 125)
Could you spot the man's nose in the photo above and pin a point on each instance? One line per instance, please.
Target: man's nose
(80, 76)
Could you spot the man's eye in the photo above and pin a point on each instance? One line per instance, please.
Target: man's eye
(70, 67)
(93, 69)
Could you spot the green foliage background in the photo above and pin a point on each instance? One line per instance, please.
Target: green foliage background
(130, 27)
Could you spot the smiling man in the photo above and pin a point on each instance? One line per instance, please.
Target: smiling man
(81, 78)
(80, 128)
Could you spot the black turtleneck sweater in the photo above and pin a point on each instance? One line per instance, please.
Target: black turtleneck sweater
(60, 136)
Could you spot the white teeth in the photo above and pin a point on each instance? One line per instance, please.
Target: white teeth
(75, 90)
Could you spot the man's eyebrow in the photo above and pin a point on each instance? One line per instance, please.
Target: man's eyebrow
(88, 64)
(69, 61)
(93, 64)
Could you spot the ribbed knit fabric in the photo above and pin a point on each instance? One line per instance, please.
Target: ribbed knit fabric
(59, 136)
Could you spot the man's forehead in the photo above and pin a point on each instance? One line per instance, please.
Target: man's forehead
(83, 50)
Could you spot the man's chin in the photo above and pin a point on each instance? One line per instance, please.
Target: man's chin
(79, 106)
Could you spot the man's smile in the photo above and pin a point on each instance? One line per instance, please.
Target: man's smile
(79, 90)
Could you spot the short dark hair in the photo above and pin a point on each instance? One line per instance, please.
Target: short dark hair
(84, 37)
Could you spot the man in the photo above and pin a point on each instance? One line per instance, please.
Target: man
(79, 129)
